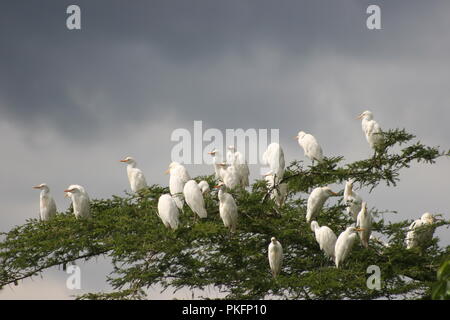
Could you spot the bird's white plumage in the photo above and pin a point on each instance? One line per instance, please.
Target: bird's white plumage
(178, 177)
(237, 159)
(352, 200)
(217, 160)
(371, 129)
(279, 193)
(310, 146)
(135, 176)
(344, 245)
(204, 186)
(168, 211)
(80, 201)
(274, 158)
(364, 221)
(316, 201)
(227, 209)
(47, 205)
(275, 254)
(420, 231)
(194, 198)
(326, 239)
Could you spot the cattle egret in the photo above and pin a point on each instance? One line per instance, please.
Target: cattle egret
(204, 186)
(274, 158)
(275, 254)
(371, 129)
(194, 198)
(168, 211)
(316, 201)
(326, 239)
(217, 160)
(135, 175)
(278, 192)
(420, 231)
(352, 200)
(80, 201)
(227, 208)
(230, 175)
(178, 177)
(239, 162)
(47, 205)
(344, 244)
(364, 221)
(310, 146)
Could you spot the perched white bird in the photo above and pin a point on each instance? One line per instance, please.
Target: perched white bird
(420, 231)
(352, 200)
(204, 186)
(326, 239)
(274, 158)
(47, 205)
(239, 162)
(230, 175)
(275, 254)
(316, 201)
(310, 146)
(279, 193)
(364, 221)
(217, 160)
(227, 208)
(371, 129)
(344, 245)
(80, 201)
(168, 211)
(178, 177)
(135, 175)
(194, 198)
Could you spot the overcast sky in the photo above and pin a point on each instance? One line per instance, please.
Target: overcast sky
(72, 103)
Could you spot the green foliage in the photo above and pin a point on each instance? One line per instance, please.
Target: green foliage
(441, 289)
(202, 253)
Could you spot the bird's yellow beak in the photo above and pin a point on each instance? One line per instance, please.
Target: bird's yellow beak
(296, 137)
(360, 229)
(68, 190)
(36, 187)
(359, 117)
(123, 160)
(167, 171)
(211, 153)
(334, 193)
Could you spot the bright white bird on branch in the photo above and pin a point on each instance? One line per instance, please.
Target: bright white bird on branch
(371, 129)
(178, 177)
(230, 175)
(352, 200)
(47, 205)
(194, 198)
(316, 201)
(344, 245)
(326, 239)
(239, 162)
(135, 175)
(274, 158)
(364, 221)
(227, 208)
(80, 201)
(275, 253)
(204, 186)
(168, 211)
(310, 146)
(420, 231)
(217, 160)
(278, 193)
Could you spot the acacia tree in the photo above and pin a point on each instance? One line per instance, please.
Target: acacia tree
(201, 254)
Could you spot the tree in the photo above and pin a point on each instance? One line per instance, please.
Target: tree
(203, 253)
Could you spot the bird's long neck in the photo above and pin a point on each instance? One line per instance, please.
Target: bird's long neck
(131, 165)
(348, 190)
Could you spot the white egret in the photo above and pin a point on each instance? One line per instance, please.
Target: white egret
(316, 201)
(310, 146)
(80, 201)
(204, 186)
(364, 221)
(239, 162)
(344, 245)
(135, 175)
(352, 200)
(194, 198)
(178, 177)
(47, 205)
(279, 192)
(274, 158)
(227, 208)
(371, 129)
(217, 160)
(326, 239)
(168, 211)
(420, 231)
(275, 254)
(230, 175)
